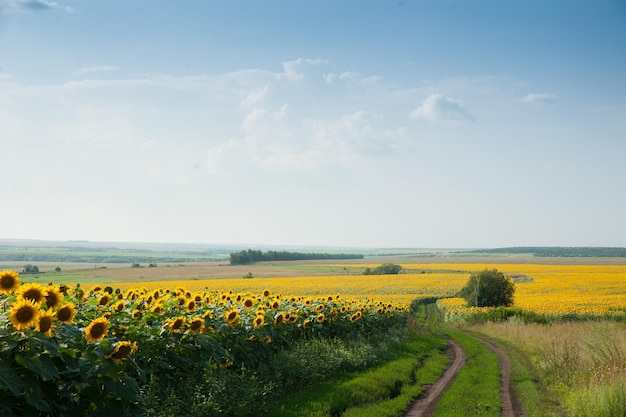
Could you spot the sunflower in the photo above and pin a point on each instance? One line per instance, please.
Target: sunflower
(355, 317)
(266, 293)
(196, 325)
(119, 306)
(45, 324)
(24, 313)
(191, 306)
(66, 313)
(248, 302)
(267, 339)
(320, 318)
(54, 296)
(136, 314)
(232, 317)
(306, 324)
(104, 300)
(207, 314)
(279, 318)
(158, 309)
(9, 281)
(97, 329)
(32, 291)
(275, 305)
(122, 351)
(176, 324)
(259, 321)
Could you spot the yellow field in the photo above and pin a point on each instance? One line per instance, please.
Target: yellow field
(550, 289)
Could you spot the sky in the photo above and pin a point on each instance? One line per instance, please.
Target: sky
(353, 123)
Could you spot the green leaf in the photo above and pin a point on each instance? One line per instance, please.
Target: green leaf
(10, 380)
(40, 365)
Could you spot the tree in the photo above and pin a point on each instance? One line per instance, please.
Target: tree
(383, 269)
(488, 288)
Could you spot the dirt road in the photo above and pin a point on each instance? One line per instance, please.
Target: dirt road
(424, 405)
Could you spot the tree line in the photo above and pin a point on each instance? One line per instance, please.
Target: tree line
(559, 251)
(250, 256)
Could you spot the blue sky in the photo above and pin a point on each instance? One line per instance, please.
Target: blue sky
(335, 123)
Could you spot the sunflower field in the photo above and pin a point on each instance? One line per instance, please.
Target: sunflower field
(69, 351)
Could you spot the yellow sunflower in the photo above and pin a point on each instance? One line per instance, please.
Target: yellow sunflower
(259, 321)
(104, 300)
(122, 351)
(248, 302)
(196, 325)
(97, 329)
(9, 281)
(191, 306)
(45, 324)
(32, 291)
(232, 317)
(119, 306)
(207, 314)
(266, 293)
(176, 324)
(54, 297)
(24, 314)
(279, 318)
(320, 318)
(66, 313)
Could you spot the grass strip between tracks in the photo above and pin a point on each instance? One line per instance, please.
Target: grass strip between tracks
(476, 390)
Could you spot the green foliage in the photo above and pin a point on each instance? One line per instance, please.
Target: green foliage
(558, 251)
(30, 269)
(383, 269)
(488, 288)
(249, 256)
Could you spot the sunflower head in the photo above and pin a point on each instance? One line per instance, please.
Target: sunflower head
(196, 325)
(66, 313)
(104, 299)
(191, 305)
(32, 291)
(320, 318)
(119, 306)
(266, 293)
(9, 281)
(54, 297)
(122, 351)
(176, 324)
(45, 323)
(279, 318)
(248, 302)
(259, 321)
(97, 329)
(232, 317)
(24, 314)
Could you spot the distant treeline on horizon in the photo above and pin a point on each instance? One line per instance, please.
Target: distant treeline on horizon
(249, 256)
(558, 251)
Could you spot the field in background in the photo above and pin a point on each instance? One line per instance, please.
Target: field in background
(548, 288)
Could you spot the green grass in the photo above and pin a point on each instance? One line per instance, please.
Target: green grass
(535, 402)
(385, 390)
(476, 390)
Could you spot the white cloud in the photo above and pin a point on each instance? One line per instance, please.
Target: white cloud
(17, 6)
(295, 70)
(96, 69)
(539, 98)
(436, 107)
(254, 96)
